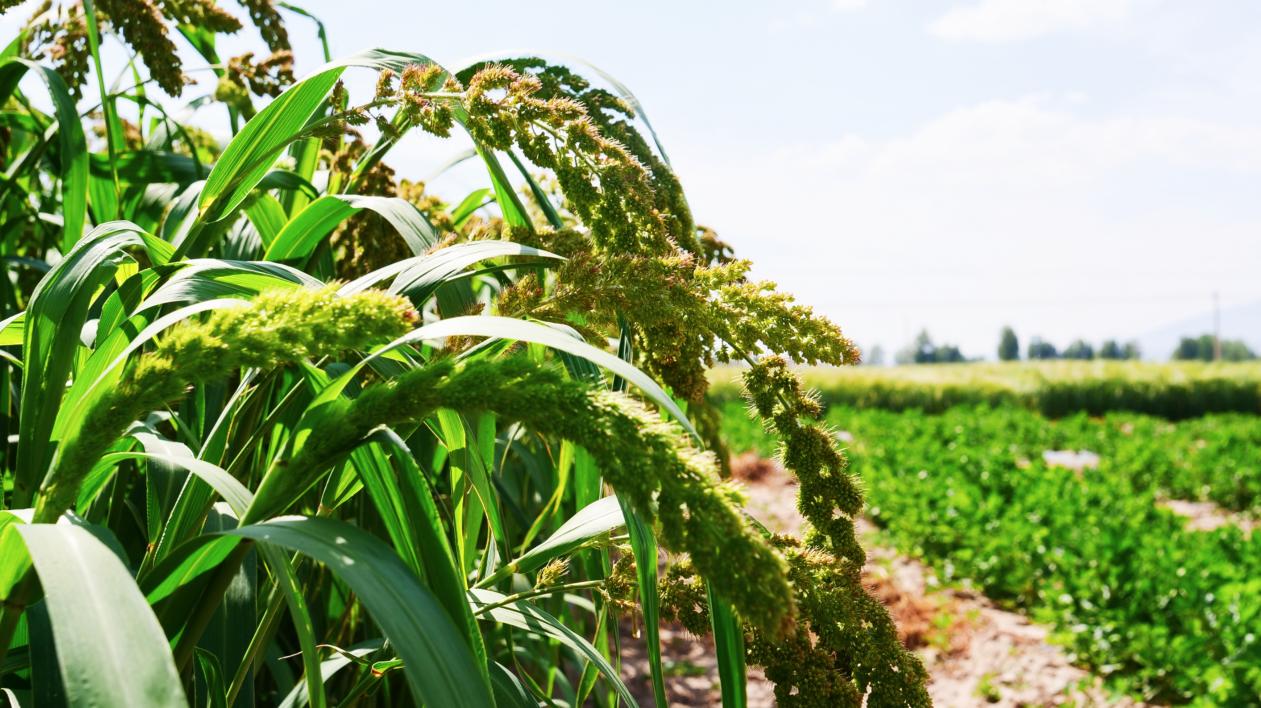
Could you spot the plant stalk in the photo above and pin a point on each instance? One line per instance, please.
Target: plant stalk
(271, 618)
(107, 105)
(210, 600)
(536, 592)
(14, 606)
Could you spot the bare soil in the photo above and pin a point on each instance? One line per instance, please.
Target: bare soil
(1207, 516)
(976, 654)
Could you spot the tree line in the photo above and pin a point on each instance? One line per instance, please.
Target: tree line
(1040, 350)
(924, 350)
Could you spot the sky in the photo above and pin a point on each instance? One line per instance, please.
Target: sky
(1072, 168)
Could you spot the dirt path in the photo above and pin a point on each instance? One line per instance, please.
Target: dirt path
(976, 654)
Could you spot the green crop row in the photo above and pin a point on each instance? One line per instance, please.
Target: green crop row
(1163, 611)
(1214, 458)
(1172, 613)
(1055, 389)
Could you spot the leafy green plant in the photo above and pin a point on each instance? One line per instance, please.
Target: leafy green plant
(285, 429)
(1164, 611)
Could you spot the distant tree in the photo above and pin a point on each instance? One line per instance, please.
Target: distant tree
(874, 356)
(1112, 349)
(1039, 349)
(948, 354)
(1236, 350)
(1008, 345)
(1079, 349)
(1201, 348)
(1191, 349)
(924, 351)
(920, 351)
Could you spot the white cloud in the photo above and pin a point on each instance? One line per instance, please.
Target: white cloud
(1013, 20)
(1022, 211)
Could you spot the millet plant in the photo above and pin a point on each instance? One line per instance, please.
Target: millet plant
(285, 429)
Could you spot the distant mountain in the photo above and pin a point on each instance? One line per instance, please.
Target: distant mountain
(1238, 322)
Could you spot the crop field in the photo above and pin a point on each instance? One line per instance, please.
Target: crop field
(1165, 612)
(1055, 388)
(284, 427)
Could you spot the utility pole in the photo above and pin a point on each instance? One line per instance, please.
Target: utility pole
(1217, 327)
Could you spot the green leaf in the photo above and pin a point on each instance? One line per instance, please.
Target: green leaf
(644, 547)
(290, 181)
(340, 660)
(526, 331)
(526, 615)
(422, 278)
(509, 202)
(418, 277)
(470, 204)
(13, 330)
(436, 556)
(439, 666)
(58, 309)
(14, 560)
(592, 521)
(540, 197)
(509, 691)
(287, 581)
(250, 155)
(267, 216)
(110, 647)
(73, 146)
(304, 232)
(729, 646)
(202, 279)
(208, 685)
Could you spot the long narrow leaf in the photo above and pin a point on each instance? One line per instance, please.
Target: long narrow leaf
(110, 647)
(250, 155)
(439, 666)
(644, 547)
(592, 521)
(729, 646)
(73, 143)
(58, 309)
(526, 615)
(304, 232)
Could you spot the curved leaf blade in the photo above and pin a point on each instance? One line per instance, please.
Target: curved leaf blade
(249, 157)
(58, 309)
(593, 520)
(72, 142)
(440, 667)
(110, 646)
(304, 232)
(527, 331)
(526, 615)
